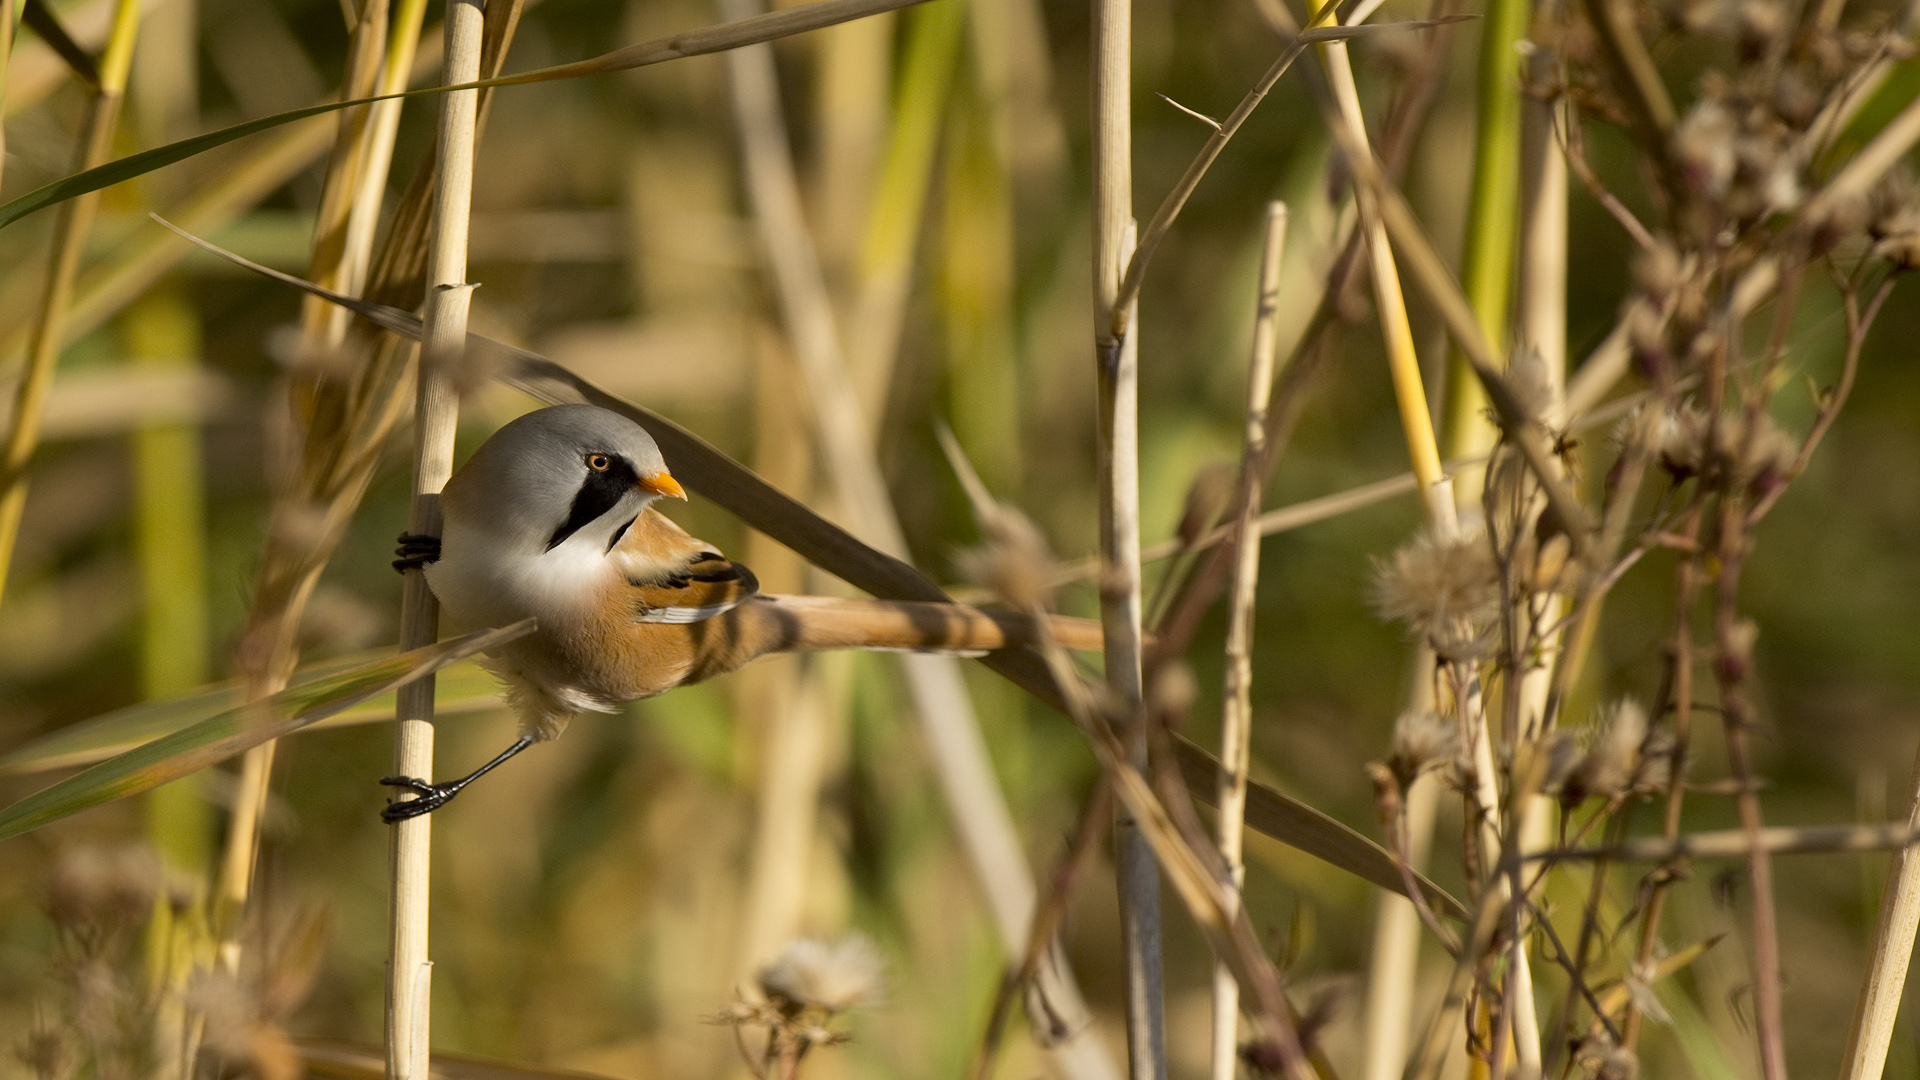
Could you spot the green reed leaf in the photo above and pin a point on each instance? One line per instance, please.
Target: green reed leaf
(239, 728)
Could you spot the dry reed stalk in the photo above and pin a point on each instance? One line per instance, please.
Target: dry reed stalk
(1416, 418)
(1393, 970)
(442, 346)
(69, 241)
(964, 768)
(323, 324)
(1236, 724)
(1115, 350)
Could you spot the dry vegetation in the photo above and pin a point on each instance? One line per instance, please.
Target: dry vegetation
(1621, 698)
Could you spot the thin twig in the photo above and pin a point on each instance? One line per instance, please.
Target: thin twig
(1739, 844)
(1236, 722)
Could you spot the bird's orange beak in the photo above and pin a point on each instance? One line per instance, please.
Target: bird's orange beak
(662, 484)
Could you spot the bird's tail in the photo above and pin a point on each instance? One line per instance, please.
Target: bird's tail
(810, 623)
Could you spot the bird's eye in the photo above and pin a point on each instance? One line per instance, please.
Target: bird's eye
(599, 462)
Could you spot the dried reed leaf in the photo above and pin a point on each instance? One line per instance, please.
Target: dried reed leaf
(238, 729)
(1307, 830)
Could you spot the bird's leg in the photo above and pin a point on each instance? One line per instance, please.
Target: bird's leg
(415, 552)
(433, 796)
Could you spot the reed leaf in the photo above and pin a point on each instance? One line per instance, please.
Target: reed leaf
(461, 687)
(234, 730)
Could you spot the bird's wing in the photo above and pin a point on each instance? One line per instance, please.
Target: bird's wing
(675, 578)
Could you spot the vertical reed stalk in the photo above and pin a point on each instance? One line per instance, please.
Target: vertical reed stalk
(1119, 480)
(74, 221)
(170, 530)
(322, 323)
(442, 343)
(1878, 1008)
(1487, 261)
(382, 126)
(1236, 723)
(959, 754)
(1393, 971)
(1416, 419)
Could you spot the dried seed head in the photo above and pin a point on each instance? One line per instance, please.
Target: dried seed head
(1659, 270)
(1562, 750)
(835, 977)
(1606, 1059)
(1613, 760)
(1681, 440)
(1894, 210)
(1703, 148)
(1760, 457)
(1422, 740)
(1531, 383)
(229, 1011)
(1795, 98)
(1760, 23)
(104, 889)
(1769, 177)
(1447, 591)
(47, 1054)
(1736, 659)
(1014, 563)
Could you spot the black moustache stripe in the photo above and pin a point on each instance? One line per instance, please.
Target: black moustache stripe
(601, 492)
(619, 533)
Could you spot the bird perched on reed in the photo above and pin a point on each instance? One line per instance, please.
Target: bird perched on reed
(551, 518)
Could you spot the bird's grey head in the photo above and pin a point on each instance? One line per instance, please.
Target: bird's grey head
(567, 473)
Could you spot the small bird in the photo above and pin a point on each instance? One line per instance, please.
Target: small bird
(552, 518)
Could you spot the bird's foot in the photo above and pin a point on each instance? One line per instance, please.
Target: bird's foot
(430, 797)
(415, 552)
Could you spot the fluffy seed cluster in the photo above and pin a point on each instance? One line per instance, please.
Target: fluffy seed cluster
(1759, 456)
(1446, 591)
(1894, 224)
(1622, 757)
(1422, 740)
(830, 976)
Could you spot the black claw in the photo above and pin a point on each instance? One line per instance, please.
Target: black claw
(431, 797)
(415, 552)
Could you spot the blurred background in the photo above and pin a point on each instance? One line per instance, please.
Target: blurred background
(594, 900)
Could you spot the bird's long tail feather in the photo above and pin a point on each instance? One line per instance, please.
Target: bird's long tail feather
(809, 623)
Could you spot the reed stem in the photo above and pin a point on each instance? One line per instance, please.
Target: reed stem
(1236, 725)
(443, 344)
